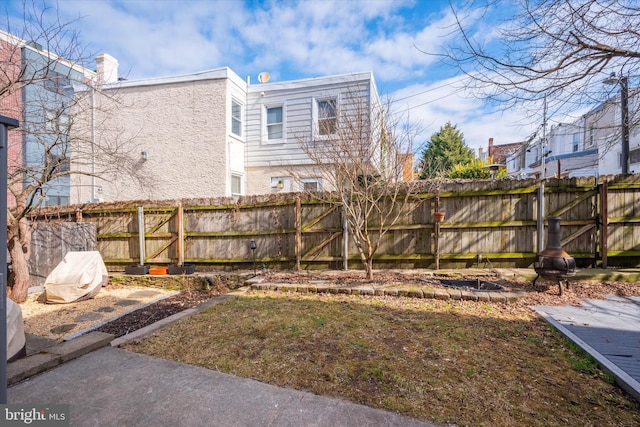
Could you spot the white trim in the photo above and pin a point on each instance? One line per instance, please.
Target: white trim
(242, 179)
(315, 115)
(313, 82)
(281, 184)
(235, 100)
(263, 123)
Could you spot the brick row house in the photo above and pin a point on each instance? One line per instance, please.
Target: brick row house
(11, 100)
(36, 88)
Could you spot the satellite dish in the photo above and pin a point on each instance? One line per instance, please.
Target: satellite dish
(263, 77)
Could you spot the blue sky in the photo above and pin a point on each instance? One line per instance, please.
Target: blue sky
(294, 40)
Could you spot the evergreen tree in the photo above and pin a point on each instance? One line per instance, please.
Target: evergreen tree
(445, 150)
(475, 170)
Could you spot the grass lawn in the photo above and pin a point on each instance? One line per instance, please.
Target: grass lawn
(464, 362)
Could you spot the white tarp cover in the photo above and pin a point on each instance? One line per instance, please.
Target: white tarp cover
(79, 275)
(15, 330)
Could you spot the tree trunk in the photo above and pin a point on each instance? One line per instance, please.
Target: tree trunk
(18, 243)
(369, 268)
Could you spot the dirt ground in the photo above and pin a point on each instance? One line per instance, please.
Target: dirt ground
(57, 321)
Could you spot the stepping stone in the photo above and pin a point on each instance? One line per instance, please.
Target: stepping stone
(105, 309)
(143, 294)
(63, 328)
(87, 317)
(126, 302)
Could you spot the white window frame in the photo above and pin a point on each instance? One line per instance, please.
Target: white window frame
(316, 114)
(317, 181)
(265, 129)
(236, 119)
(241, 178)
(281, 184)
(576, 142)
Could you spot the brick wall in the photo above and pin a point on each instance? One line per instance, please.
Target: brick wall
(11, 104)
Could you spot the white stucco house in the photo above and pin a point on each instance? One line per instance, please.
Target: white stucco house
(211, 133)
(186, 132)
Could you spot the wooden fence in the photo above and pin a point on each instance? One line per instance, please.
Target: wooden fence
(487, 223)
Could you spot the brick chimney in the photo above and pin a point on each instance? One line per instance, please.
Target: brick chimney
(490, 142)
(107, 68)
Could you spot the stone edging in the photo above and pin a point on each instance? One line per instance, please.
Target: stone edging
(426, 292)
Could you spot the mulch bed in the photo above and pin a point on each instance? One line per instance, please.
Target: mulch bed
(157, 311)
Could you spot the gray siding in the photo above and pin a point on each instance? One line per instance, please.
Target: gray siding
(267, 159)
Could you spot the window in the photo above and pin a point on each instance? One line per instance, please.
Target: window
(57, 163)
(281, 183)
(591, 133)
(236, 118)
(310, 184)
(274, 123)
(57, 83)
(576, 142)
(236, 184)
(327, 121)
(57, 121)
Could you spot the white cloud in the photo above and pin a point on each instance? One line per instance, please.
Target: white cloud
(433, 105)
(294, 40)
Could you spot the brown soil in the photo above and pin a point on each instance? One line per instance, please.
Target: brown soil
(152, 313)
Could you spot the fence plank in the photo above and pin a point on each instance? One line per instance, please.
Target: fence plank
(494, 219)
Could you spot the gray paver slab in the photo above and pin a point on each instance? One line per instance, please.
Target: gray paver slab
(607, 329)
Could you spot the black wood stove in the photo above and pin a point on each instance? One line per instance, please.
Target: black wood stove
(553, 263)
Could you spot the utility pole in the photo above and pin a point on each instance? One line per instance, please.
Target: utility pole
(624, 121)
(624, 105)
(542, 178)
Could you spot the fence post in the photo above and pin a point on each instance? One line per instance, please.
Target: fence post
(345, 238)
(141, 234)
(298, 222)
(604, 228)
(180, 224)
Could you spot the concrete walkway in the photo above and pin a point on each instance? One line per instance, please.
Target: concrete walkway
(609, 330)
(113, 387)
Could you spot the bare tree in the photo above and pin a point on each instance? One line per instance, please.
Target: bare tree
(561, 49)
(361, 150)
(45, 72)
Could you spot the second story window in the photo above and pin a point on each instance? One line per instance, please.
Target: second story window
(327, 119)
(236, 118)
(591, 134)
(576, 142)
(274, 123)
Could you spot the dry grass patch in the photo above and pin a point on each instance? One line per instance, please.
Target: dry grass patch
(464, 362)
